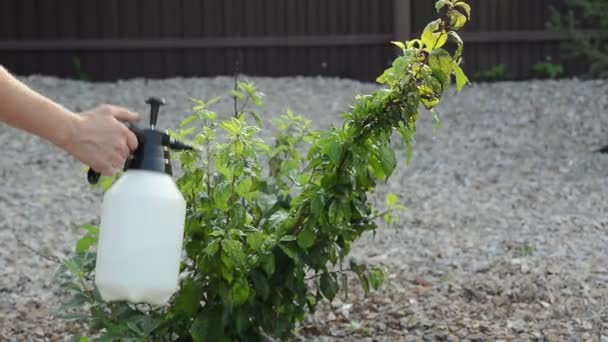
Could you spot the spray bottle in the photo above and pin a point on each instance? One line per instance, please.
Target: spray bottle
(142, 222)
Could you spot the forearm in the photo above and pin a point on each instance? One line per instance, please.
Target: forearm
(23, 108)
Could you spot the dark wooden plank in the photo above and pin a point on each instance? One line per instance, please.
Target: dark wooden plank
(354, 13)
(217, 42)
(29, 22)
(130, 27)
(322, 54)
(110, 20)
(261, 54)
(376, 58)
(49, 29)
(281, 31)
(212, 27)
(312, 57)
(365, 9)
(193, 28)
(172, 28)
(8, 20)
(403, 20)
(291, 30)
(9, 29)
(153, 65)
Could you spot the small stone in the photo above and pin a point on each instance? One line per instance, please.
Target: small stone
(331, 316)
(476, 338)
(587, 325)
(518, 325)
(453, 338)
(462, 333)
(551, 337)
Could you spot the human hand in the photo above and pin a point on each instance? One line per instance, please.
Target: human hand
(101, 140)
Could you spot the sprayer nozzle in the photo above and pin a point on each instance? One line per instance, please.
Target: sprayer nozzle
(179, 146)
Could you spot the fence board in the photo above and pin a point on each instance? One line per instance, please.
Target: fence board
(346, 38)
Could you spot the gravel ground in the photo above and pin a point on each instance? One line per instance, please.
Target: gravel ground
(504, 239)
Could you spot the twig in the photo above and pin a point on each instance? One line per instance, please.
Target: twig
(51, 258)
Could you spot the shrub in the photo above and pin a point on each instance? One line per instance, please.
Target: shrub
(494, 74)
(585, 24)
(547, 69)
(269, 227)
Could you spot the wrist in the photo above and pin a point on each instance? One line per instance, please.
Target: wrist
(67, 130)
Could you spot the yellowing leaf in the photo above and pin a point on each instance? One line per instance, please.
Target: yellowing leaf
(461, 78)
(440, 4)
(465, 7)
(433, 39)
(399, 45)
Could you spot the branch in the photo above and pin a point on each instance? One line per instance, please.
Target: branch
(51, 258)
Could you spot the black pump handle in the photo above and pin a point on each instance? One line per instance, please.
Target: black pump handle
(155, 104)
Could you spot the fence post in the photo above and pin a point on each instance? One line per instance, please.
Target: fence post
(403, 19)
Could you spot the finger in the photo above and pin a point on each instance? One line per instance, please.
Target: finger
(132, 142)
(118, 160)
(107, 170)
(123, 114)
(123, 150)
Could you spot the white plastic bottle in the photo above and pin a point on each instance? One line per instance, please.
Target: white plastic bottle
(142, 225)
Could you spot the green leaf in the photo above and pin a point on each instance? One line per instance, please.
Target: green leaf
(212, 248)
(333, 212)
(290, 252)
(85, 243)
(433, 39)
(260, 284)
(188, 298)
(238, 293)
(242, 321)
(387, 158)
(328, 285)
(440, 62)
(265, 202)
(188, 120)
(268, 264)
(237, 215)
(233, 126)
(209, 326)
(344, 281)
(235, 93)
(335, 151)
(91, 229)
(436, 117)
(232, 247)
(376, 278)
(316, 204)
(306, 238)
(461, 78)
(288, 238)
(391, 199)
(221, 195)
(277, 219)
(255, 240)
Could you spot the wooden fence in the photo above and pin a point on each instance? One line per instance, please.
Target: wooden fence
(117, 39)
